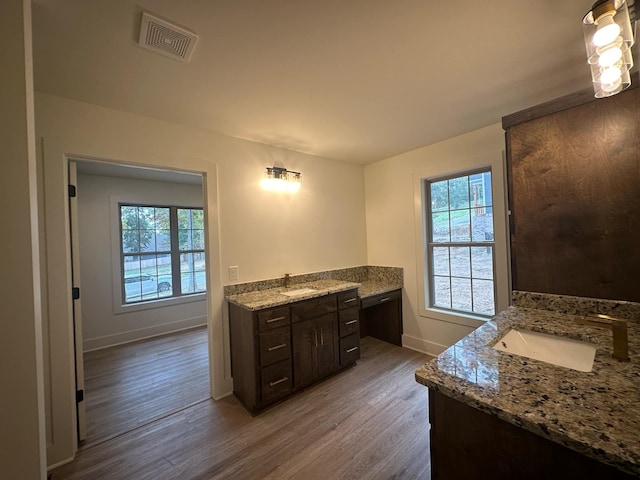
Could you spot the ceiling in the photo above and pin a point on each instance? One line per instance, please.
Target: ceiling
(352, 80)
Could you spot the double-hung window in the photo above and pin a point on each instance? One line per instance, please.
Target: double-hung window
(460, 249)
(162, 252)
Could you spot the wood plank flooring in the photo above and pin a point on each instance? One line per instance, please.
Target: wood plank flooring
(133, 384)
(368, 422)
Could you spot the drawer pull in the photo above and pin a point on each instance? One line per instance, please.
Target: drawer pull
(349, 300)
(352, 349)
(283, 379)
(351, 322)
(277, 319)
(277, 347)
(385, 299)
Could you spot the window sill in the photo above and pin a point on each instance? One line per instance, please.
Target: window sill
(457, 318)
(159, 303)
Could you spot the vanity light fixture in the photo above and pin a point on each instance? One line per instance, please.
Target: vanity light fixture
(281, 180)
(608, 38)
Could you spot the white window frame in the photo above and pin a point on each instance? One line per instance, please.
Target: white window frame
(495, 161)
(174, 252)
(119, 307)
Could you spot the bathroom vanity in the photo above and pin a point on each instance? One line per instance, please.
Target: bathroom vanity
(283, 340)
(503, 416)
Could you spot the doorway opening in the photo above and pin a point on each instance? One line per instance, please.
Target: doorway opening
(136, 361)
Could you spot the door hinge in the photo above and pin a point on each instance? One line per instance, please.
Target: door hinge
(72, 191)
(75, 293)
(79, 396)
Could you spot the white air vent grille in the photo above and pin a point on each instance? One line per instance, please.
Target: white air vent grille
(165, 38)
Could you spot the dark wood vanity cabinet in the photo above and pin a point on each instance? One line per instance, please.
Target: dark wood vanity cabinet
(381, 317)
(467, 443)
(260, 355)
(277, 351)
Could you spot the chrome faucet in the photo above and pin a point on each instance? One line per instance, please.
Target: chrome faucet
(619, 329)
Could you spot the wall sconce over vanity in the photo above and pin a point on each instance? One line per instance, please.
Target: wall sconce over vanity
(280, 179)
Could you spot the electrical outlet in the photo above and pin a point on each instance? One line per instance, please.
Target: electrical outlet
(233, 273)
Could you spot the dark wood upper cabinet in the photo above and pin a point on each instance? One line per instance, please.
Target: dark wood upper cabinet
(574, 195)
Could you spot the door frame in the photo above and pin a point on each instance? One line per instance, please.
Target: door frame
(76, 308)
(136, 141)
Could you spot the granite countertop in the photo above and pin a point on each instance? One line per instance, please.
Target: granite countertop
(595, 413)
(370, 288)
(273, 297)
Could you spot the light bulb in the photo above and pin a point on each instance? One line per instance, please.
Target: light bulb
(609, 56)
(610, 75)
(608, 30)
(610, 87)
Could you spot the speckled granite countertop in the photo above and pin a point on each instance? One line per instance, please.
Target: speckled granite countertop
(273, 297)
(370, 280)
(595, 413)
(370, 288)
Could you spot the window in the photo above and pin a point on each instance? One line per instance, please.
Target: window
(460, 243)
(162, 252)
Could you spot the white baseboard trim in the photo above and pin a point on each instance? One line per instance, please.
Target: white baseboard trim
(60, 463)
(224, 395)
(423, 346)
(97, 343)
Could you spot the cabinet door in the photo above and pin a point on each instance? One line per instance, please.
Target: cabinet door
(327, 349)
(304, 340)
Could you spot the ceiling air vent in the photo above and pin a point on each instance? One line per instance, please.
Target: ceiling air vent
(165, 38)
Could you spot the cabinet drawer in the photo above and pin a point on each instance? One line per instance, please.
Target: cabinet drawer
(381, 298)
(275, 346)
(349, 349)
(274, 318)
(348, 299)
(349, 323)
(313, 308)
(276, 381)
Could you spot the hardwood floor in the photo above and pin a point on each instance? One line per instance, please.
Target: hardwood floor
(368, 422)
(134, 384)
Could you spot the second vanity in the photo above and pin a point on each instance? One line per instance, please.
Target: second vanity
(284, 338)
(502, 416)
(287, 345)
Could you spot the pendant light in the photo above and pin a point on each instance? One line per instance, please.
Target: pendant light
(608, 39)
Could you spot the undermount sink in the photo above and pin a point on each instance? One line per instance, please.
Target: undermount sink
(561, 351)
(299, 291)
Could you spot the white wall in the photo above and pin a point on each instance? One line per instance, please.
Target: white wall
(264, 233)
(103, 323)
(21, 376)
(393, 230)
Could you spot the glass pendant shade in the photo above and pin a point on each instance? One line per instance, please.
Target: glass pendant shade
(608, 39)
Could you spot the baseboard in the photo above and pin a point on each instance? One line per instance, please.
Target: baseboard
(59, 464)
(97, 343)
(423, 346)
